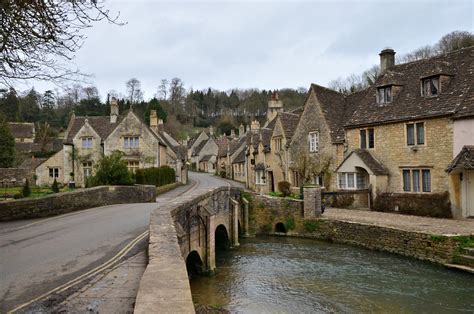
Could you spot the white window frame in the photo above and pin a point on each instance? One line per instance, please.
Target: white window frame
(131, 141)
(133, 166)
(87, 169)
(87, 142)
(259, 177)
(54, 171)
(345, 179)
(313, 141)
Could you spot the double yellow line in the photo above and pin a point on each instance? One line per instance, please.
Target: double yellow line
(87, 275)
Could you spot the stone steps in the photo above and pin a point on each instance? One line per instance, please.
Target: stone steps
(460, 267)
(465, 260)
(468, 251)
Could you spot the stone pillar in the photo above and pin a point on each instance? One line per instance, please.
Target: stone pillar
(235, 223)
(312, 202)
(245, 205)
(211, 244)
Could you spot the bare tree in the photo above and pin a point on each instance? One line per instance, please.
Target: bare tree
(177, 92)
(163, 90)
(90, 92)
(454, 41)
(310, 166)
(135, 94)
(39, 38)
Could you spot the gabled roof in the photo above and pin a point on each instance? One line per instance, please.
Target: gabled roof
(464, 160)
(206, 158)
(369, 161)
(289, 122)
(100, 124)
(457, 70)
(32, 163)
(22, 129)
(240, 158)
(198, 148)
(332, 105)
(266, 138)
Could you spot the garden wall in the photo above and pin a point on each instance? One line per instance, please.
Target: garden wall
(431, 205)
(61, 203)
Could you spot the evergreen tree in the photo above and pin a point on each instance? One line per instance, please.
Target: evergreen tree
(7, 145)
(9, 104)
(26, 189)
(55, 186)
(111, 170)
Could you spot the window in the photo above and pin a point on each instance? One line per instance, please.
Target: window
(131, 142)
(416, 180)
(384, 94)
(54, 172)
(415, 133)
(87, 169)
(260, 177)
(87, 142)
(313, 139)
(318, 180)
(352, 181)
(430, 86)
(367, 138)
(277, 143)
(133, 166)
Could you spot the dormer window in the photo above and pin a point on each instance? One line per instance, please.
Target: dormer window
(384, 94)
(430, 86)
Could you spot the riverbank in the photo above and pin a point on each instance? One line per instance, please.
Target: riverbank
(442, 241)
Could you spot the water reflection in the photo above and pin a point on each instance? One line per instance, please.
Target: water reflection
(283, 275)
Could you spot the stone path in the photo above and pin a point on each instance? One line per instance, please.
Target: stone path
(405, 222)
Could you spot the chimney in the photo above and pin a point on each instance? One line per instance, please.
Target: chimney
(241, 130)
(387, 59)
(114, 110)
(153, 120)
(275, 105)
(232, 133)
(255, 126)
(211, 130)
(161, 126)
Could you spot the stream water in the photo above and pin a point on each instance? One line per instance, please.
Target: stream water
(292, 275)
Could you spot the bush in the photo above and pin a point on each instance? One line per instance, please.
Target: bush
(17, 196)
(155, 176)
(111, 170)
(223, 174)
(311, 225)
(55, 186)
(431, 205)
(26, 191)
(290, 223)
(343, 201)
(284, 188)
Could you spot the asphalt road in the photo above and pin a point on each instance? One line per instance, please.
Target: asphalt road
(37, 256)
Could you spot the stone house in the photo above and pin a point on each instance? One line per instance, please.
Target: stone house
(317, 145)
(406, 130)
(239, 166)
(228, 151)
(87, 139)
(23, 132)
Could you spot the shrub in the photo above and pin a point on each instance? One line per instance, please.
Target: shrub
(343, 201)
(223, 174)
(55, 186)
(17, 196)
(311, 225)
(284, 187)
(111, 170)
(26, 191)
(155, 176)
(290, 223)
(432, 205)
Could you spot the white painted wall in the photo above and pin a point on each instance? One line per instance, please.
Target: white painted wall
(463, 132)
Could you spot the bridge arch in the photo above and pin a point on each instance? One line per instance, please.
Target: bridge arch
(194, 264)
(222, 239)
(280, 228)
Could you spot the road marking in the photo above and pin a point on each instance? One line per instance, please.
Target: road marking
(88, 274)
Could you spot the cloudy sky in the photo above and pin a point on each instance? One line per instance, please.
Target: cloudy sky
(262, 44)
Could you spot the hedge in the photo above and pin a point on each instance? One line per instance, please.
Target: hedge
(155, 176)
(431, 205)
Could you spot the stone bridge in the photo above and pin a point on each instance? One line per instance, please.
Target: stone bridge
(211, 221)
(184, 235)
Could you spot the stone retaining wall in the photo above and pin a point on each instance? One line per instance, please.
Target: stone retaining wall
(61, 203)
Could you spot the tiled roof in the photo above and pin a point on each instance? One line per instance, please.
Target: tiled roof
(206, 158)
(466, 109)
(240, 158)
(198, 148)
(373, 164)
(289, 121)
(266, 138)
(32, 163)
(52, 145)
(297, 111)
(332, 105)
(22, 129)
(464, 160)
(455, 97)
(101, 124)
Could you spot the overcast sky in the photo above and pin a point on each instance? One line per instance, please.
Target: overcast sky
(262, 44)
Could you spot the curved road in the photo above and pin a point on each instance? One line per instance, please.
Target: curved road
(37, 256)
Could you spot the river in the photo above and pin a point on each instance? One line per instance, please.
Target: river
(292, 275)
